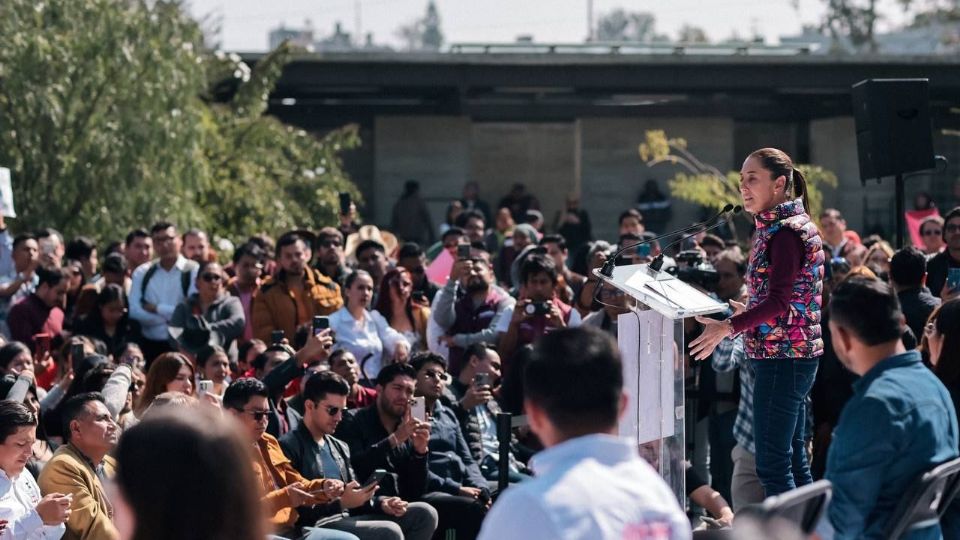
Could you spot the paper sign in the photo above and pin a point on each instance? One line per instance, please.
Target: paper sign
(439, 270)
(6, 194)
(914, 218)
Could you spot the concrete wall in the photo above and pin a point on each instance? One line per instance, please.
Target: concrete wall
(613, 173)
(539, 155)
(435, 150)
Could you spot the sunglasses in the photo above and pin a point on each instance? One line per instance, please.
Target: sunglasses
(211, 278)
(333, 411)
(932, 232)
(952, 228)
(257, 415)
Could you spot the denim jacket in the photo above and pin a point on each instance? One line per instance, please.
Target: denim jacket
(899, 424)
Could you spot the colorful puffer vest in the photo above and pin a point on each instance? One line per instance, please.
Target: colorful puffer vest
(795, 334)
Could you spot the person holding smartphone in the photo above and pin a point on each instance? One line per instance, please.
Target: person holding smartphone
(374, 506)
(781, 326)
(943, 269)
(282, 488)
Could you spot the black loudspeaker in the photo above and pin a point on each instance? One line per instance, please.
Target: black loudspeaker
(892, 118)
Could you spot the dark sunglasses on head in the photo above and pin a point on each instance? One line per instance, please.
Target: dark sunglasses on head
(210, 278)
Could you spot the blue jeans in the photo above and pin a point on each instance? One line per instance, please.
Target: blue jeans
(779, 422)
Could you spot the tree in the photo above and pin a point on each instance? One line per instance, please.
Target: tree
(423, 34)
(855, 20)
(704, 184)
(108, 120)
(691, 34)
(618, 25)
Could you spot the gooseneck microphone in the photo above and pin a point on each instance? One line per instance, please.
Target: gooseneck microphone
(609, 264)
(657, 261)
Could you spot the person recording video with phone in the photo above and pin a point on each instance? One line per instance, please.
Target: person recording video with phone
(368, 510)
(472, 398)
(781, 327)
(943, 269)
(539, 310)
(457, 488)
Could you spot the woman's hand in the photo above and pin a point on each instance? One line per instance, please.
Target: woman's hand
(737, 307)
(401, 352)
(713, 333)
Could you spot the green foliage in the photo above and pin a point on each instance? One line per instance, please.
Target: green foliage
(107, 122)
(705, 185)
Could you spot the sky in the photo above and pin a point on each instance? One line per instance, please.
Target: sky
(246, 23)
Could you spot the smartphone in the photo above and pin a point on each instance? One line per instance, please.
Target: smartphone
(276, 337)
(419, 409)
(643, 250)
(375, 478)
(320, 323)
(77, 353)
(345, 203)
(482, 379)
(953, 279)
(463, 252)
(41, 344)
(204, 387)
(714, 524)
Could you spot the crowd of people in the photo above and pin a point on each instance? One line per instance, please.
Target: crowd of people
(327, 385)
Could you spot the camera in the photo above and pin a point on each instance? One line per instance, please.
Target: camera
(692, 269)
(537, 308)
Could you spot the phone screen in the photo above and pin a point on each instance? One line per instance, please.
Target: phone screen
(276, 337)
(953, 278)
(481, 379)
(345, 202)
(375, 478)
(320, 324)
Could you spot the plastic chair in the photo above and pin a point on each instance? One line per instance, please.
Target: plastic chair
(803, 506)
(926, 500)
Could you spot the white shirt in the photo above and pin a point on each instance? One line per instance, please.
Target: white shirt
(503, 325)
(594, 487)
(18, 501)
(371, 335)
(164, 290)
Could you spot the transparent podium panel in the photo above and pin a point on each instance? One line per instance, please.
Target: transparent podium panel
(650, 345)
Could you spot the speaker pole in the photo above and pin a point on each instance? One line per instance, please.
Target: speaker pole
(900, 213)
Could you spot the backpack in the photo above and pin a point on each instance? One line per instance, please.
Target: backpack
(184, 277)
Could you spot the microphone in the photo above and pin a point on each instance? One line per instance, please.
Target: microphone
(610, 263)
(657, 262)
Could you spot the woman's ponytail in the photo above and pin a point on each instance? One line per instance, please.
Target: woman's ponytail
(800, 188)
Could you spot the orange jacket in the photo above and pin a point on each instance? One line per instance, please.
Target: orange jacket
(275, 308)
(274, 473)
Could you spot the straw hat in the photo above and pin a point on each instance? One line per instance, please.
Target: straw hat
(370, 232)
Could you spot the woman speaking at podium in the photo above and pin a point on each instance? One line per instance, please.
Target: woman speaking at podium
(781, 322)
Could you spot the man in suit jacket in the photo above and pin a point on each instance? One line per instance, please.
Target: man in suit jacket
(80, 466)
